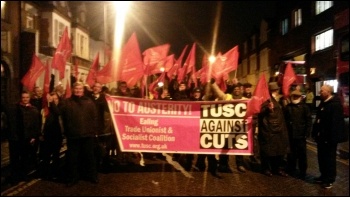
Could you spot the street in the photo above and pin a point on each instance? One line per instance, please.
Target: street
(161, 178)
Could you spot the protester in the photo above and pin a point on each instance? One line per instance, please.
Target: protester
(37, 98)
(24, 122)
(328, 130)
(181, 94)
(212, 161)
(105, 135)
(273, 134)
(236, 94)
(52, 140)
(79, 116)
(299, 124)
(247, 93)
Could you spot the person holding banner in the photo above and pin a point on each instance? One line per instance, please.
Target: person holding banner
(223, 159)
(273, 134)
(212, 161)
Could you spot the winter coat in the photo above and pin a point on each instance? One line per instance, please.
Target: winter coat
(298, 120)
(79, 117)
(273, 134)
(24, 122)
(329, 125)
(104, 121)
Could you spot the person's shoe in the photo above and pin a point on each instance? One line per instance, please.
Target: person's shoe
(327, 185)
(214, 174)
(241, 169)
(268, 173)
(224, 169)
(282, 173)
(318, 180)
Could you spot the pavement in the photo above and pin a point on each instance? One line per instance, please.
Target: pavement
(158, 177)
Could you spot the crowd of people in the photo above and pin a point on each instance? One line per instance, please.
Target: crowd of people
(83, 119)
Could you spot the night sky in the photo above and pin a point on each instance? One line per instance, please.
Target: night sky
(184, 22)
(181, 23)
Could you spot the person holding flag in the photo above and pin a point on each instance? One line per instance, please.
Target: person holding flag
(273, 134)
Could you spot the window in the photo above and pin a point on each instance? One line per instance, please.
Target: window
(284, 26)
(297, 18)
(81, 44)
(29, 22)
(324, 40)
(4, 11)
(59, 29)
(321, 6)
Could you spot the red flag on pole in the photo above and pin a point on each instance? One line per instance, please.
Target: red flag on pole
(68, 90)
(91, 77)
(154, 83)
(131, 67)
(105, 75)
(178, 63)
(46, 89)
(188, 65)
(288, 78)
(260, 95)
(33, 73)
(63, 52)
(154, 54)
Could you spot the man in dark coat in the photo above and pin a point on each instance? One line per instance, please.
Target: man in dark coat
(328, 130)
(299, 124)
(79, 117)
(24, 122)
(273, 134)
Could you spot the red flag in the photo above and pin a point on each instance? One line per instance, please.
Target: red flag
(46, 89)
(68, 90)
(91, 77)
(231, 59)
(203, 73)
(260, 95)
(131, 67)
(33, 73)
(225, 63)
(288, 78)
(188, 65)
(63, 52)
(178, 63)
(105, 75)
(154, 54)
(154, 83)
(162, 66)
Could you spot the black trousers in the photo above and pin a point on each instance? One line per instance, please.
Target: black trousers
(81, 159)
(297, 156)
(327, 154)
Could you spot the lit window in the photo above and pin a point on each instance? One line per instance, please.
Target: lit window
(321, 6)
(284, 26)
(324, 40)
(297, 17)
